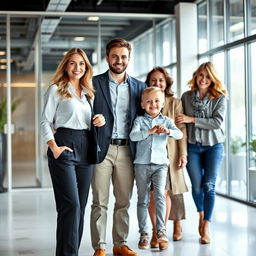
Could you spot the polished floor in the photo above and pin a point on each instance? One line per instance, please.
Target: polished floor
(28, 221)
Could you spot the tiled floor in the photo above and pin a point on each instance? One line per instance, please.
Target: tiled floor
(28, 220)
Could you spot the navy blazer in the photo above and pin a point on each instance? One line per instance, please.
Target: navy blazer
(102, 105)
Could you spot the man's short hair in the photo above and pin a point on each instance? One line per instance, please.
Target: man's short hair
(118, 42)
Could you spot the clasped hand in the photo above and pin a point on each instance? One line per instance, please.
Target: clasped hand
(158, 129)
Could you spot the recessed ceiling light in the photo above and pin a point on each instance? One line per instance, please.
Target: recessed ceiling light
(2, 52)
(5, 60)
(79, 38)
(93, 18)
(3, 66)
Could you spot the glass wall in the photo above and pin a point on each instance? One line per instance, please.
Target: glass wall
(234, 57)
(252, 128)
(217, 22)
(235, 20)
(202, 27)
(156, 47)
(237, 117)
(252, 17)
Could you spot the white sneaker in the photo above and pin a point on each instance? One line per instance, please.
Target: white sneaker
(144, 241)
(161, 235)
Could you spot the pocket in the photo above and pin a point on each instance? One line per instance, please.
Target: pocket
(65, 154)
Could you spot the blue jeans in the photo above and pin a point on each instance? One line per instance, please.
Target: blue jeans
(203, 165)
(145, 174)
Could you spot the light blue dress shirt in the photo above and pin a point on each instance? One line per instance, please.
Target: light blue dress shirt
(120, 99)
(151, 149)
(74, 113)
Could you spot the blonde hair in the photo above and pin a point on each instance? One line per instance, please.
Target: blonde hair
(148, 90)
(61, 78)
(216, 88)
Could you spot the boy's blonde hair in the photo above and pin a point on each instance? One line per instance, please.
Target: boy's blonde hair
(148, 90)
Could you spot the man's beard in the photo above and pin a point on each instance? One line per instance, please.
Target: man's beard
(117, 70)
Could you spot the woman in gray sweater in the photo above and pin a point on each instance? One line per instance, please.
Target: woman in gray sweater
(204, 113)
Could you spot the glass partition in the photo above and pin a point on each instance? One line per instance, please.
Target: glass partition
(252, 132)
(217, 23)
(236, 20)
(237, 131)
(202, 27)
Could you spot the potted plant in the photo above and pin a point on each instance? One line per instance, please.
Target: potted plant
(3, 121)
(252, 147)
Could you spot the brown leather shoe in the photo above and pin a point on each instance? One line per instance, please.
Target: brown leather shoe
(154, 241)
(100, 252)
(163, 245)
(205, 239)
(177, 231)
(124, 250)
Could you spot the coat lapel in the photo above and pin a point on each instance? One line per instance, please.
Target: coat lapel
(104, 85)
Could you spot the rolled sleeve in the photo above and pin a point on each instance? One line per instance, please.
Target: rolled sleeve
(51, 103)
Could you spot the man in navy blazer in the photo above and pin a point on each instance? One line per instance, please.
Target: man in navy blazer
(118, 99)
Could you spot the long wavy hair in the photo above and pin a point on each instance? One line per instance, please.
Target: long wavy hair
(61, 78)
(216, 88)
(169, 81)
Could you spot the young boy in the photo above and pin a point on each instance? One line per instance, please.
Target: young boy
(151, 132)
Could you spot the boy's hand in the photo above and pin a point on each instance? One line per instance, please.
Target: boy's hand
(153, 130)
(162, 129)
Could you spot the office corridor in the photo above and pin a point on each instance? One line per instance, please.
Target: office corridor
(28, 221)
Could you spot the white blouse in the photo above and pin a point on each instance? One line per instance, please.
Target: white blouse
(74, 113)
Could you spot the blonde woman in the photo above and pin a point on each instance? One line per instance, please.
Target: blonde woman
(204, 107)
(67, 110)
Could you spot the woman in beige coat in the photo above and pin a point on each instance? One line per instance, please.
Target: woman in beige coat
(177, 154)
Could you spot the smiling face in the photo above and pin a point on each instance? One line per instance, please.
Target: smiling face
(157, 79)
(118, 59)
(203, 80)
(153, 102)
(76, 67)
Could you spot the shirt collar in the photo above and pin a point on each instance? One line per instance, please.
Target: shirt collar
(150, 117)
(111, 79)
(72, 89)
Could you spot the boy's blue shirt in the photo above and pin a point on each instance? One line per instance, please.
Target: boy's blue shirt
(151, 149)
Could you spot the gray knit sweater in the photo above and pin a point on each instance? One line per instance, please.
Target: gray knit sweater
(209, 130)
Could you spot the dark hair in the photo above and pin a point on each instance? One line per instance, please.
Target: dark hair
(169, 81)
(118, 42)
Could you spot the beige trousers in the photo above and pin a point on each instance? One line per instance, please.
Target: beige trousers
(117, 166)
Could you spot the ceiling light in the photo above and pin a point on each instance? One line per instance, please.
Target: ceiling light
(93, 18)
(5, 60)
(3, 66)
(79, 38)
(2, 52)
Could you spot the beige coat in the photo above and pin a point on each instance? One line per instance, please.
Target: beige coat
(176, 148)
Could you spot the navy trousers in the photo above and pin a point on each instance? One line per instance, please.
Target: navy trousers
(71, 178)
